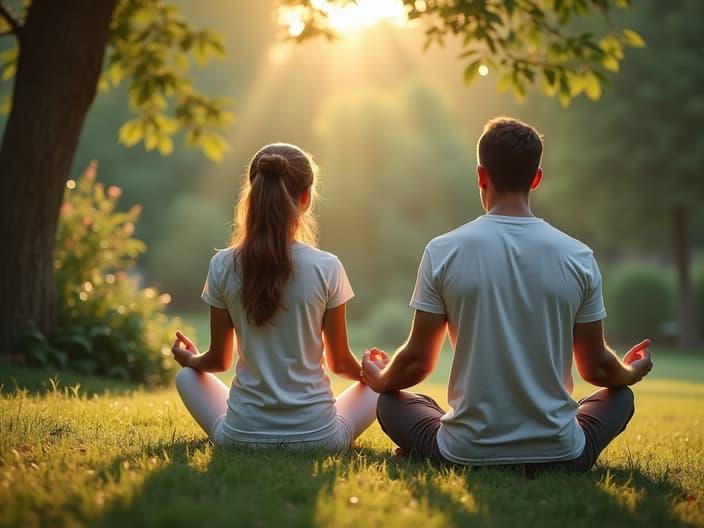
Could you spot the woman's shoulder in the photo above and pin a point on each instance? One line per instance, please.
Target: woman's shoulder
(223, 258)
(310, 253)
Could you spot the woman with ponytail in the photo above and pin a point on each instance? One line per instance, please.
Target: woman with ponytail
(280, 304)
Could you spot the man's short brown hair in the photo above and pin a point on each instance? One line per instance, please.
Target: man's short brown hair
(510, 151)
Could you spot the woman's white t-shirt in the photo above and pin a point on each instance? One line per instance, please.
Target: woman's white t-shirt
(281, 391)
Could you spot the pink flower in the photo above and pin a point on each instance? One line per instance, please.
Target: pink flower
(114, 191)
(91, 171)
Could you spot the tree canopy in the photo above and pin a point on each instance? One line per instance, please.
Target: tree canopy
(565, 47)
(151, 49)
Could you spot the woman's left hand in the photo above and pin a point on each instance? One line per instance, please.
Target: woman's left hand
(183, 349)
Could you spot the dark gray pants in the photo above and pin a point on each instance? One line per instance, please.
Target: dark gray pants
(412, 422)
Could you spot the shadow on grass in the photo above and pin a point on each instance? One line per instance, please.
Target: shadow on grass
(500, 496)
(215, 486)
(205, 486)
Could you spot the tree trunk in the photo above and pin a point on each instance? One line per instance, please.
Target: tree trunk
(61, 53)
(687, 337)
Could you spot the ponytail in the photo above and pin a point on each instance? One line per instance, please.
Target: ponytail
(268, 219)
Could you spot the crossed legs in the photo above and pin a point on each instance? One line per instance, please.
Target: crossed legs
(412, 422)
(205, 397)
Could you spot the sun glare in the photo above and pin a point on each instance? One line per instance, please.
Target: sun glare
(352, 16)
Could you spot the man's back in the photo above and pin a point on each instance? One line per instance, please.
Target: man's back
(512, 289)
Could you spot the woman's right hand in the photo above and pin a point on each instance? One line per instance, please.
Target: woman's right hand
(183, 349)
(377, 356)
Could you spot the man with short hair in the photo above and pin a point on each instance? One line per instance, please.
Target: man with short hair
(519, 299)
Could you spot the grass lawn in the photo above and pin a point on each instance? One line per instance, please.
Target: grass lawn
(106, 454)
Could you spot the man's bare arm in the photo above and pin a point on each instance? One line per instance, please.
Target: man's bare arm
(599, 365)
(414, 360)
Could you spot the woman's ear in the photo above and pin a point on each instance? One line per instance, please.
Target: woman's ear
(538, 178)
(304, 200)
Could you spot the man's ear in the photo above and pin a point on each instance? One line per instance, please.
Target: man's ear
(538, 178)
(482, 177)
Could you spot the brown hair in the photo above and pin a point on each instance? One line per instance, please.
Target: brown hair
(268, 218)
(510, 151)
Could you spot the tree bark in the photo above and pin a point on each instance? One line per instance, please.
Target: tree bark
(687, 337)
(61, 53)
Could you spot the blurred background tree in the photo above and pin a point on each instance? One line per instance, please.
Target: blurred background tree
(640, 190)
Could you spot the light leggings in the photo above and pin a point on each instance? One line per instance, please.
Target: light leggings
(205, 397)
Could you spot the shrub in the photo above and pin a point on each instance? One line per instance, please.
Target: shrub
(639, 300)
(106, 323)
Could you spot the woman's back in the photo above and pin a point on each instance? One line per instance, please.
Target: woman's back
(278, 302)
(280, 386)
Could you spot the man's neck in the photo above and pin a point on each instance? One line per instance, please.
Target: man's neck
(509, 205)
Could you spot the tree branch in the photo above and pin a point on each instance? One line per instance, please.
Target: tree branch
(11, 20)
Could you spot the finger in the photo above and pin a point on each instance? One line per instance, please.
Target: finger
(378, 355)
(184, 339)
(641, 346)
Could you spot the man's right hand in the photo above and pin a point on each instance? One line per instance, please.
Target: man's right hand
(637, 359)
(371, 371)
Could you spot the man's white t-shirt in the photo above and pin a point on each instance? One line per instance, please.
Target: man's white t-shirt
(281, 390)
(512, 289)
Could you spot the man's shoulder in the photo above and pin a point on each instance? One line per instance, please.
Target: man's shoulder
(484, 230)
(565, 239)
(464, 231)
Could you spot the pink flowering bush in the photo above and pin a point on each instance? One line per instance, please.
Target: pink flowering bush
(107, 324)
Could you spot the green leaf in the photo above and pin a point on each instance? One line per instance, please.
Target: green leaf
(471, 71)
(611, 46)
(151, 140)
(592, 86)
(115, 73)
(5, 105)
(549, 76)
(610, 63)
(166, 146)
(505, 82)
(143, 16)
(213, 145)
(633, 39)
(10, 55)
(103, 84)
(131, 132)
(9, 72)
